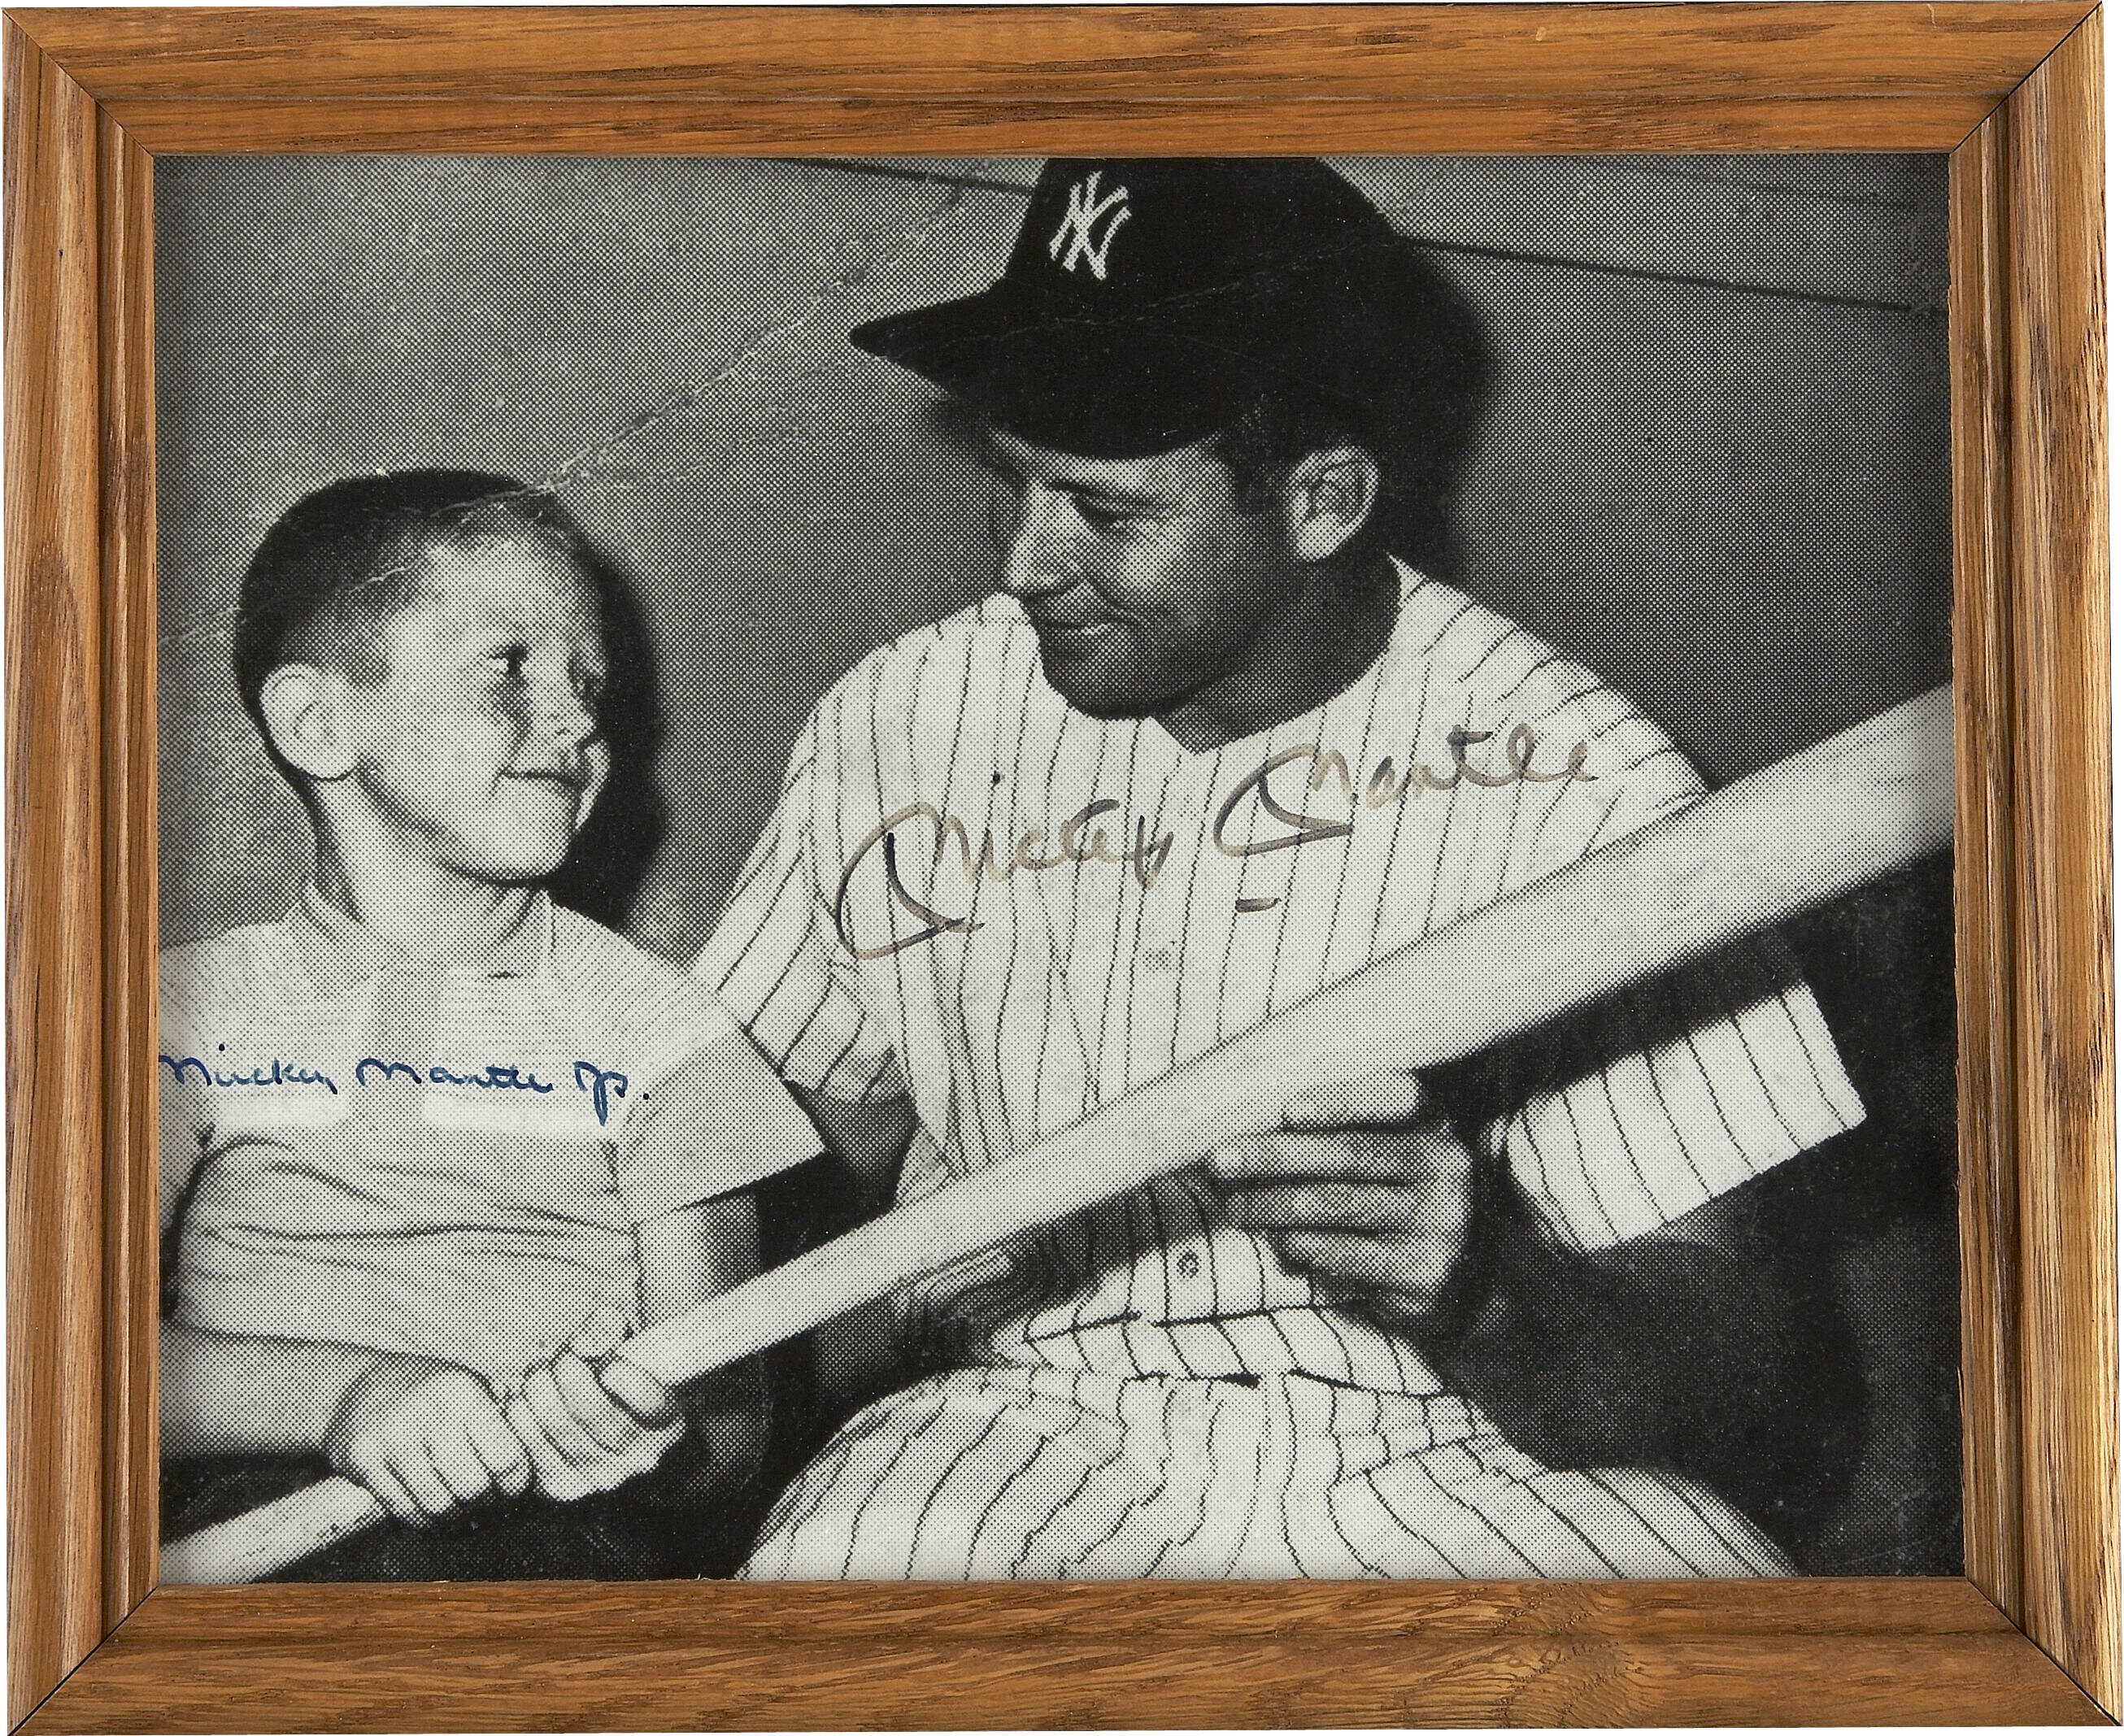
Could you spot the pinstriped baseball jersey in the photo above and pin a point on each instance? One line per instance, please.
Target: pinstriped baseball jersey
(1010, 913)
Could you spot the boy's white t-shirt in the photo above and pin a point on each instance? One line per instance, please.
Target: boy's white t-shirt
(448, 1160)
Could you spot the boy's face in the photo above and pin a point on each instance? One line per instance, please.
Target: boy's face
(479, 750)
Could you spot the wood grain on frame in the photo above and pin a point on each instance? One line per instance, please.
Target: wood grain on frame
(1175, 79)
(753, 1656)
(1001, 55)
(1989, 1189)
(2057, 671)
(2032, 887)
(952, 125)
(132, 1102)
(93, 95)
(56, 1302)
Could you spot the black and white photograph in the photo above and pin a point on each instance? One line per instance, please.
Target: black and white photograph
(1093, 869)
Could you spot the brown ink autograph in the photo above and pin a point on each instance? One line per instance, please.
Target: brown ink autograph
(1083, 838)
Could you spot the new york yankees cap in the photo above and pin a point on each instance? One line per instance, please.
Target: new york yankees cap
(1147, 303)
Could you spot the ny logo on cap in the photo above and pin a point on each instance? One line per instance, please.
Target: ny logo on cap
(1086, 208)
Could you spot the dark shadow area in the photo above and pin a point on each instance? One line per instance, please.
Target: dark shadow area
(1449, 351)
(1869, 1221)
(1856, 1238)
(611, 855)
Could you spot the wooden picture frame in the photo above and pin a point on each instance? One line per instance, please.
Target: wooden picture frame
(2011, 88)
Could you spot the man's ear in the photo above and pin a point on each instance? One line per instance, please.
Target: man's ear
(307, 717)
(1328, 497)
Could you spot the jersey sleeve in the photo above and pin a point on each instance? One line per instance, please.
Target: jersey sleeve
(715, 1120)
(1621, 1119)
(775, 960)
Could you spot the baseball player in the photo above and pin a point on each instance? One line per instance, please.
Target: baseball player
(1211, 746)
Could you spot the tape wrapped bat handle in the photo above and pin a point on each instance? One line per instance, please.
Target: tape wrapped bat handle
(1794, 836)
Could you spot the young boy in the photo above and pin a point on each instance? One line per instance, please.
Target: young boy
(431, 1143)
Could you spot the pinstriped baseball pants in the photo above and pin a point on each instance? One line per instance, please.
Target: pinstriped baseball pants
(1035, 1473)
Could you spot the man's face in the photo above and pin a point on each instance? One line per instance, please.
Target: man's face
(480, 748)
(1146, 580)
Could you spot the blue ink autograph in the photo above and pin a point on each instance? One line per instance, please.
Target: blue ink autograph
(282, 1072)
(595, 1080)
(497, 1077)
(601, 1084)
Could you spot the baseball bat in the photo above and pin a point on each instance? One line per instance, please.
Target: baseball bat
(1794, 836)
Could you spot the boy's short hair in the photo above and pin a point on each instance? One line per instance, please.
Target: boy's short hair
(338, 562)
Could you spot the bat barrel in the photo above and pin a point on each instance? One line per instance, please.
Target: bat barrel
(1797, 835)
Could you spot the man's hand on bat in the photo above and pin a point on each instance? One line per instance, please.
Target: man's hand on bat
(1365, 1184)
